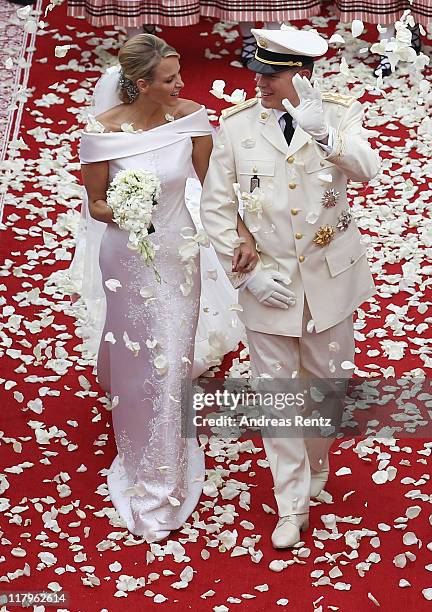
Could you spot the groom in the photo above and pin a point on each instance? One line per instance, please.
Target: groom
(299, 147)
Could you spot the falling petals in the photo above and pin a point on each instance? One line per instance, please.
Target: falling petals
(357, 28)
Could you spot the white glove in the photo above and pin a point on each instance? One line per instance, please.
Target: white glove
(309, 113)
(268, 288)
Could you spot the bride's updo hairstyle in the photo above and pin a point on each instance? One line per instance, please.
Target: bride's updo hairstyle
(139, 57)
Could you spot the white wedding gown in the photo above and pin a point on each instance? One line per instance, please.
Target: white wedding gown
(156, 479)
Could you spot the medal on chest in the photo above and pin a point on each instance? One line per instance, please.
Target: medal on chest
(254, 183)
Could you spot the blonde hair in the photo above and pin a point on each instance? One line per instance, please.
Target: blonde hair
(139, 58)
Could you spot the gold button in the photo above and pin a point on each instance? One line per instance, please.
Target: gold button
(264, 115)
(298, 235)
(290, 159)
(301, 258)
(294, 211)
(292, 185)
(321, 164)
(254, 169)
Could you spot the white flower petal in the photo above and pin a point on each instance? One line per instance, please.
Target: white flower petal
(112, 284)
(357, 28)
(336, 38)
(61, 50)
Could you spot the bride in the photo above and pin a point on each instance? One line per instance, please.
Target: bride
(147, 344)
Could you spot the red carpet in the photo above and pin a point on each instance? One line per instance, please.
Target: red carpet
(54, 450)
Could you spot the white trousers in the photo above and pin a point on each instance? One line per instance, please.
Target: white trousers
(292, 459)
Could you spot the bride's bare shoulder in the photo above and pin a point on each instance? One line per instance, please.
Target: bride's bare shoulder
(111, 118)
(187, 107)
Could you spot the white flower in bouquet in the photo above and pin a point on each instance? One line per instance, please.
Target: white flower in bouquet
(132, 195)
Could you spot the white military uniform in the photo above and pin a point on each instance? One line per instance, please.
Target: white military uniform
(305, 231)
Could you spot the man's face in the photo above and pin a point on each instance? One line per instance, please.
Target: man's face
(277, 86)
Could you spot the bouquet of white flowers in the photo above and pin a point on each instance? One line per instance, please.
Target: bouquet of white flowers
(132, 195)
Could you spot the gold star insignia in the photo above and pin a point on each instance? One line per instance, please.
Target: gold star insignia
(324, 235)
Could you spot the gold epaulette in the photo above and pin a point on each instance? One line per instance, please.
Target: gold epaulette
(227, 112)
(338, 98)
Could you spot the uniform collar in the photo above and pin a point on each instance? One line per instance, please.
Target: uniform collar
(271, 130)
(278, 113)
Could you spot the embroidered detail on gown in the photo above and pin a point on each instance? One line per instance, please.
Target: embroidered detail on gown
(156, 480)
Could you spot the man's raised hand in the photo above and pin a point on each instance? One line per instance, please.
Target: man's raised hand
(309, 113)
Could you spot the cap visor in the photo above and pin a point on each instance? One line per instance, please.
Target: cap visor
(256, 66)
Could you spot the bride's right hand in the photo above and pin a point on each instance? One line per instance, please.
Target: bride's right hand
(245, 256)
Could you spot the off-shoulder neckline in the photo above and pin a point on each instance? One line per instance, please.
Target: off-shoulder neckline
(157, 127)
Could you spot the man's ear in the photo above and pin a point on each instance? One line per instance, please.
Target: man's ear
(305, 72)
